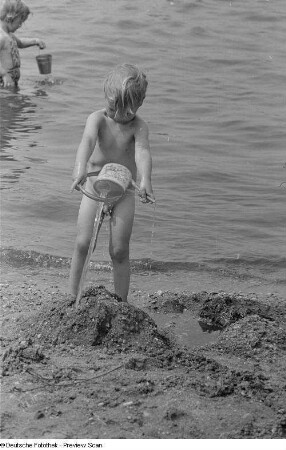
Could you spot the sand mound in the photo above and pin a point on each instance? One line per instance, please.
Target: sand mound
(252, 336)
(21, 354)
(100, 320)
(221, 309)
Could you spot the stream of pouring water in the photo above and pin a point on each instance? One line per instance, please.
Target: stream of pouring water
(153, 229)
(97, 225)
(148, 263)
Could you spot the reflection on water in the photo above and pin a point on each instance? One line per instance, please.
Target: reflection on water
(48, 81)
(16, 112)
(185, 329)
(18, 121)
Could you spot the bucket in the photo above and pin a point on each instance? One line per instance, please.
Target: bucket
(44, 63)
(112, 181)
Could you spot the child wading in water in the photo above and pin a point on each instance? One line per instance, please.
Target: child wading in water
(114, 135)
(13, 14)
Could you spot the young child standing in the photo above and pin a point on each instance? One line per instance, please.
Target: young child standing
(115, 134)
(13, 14)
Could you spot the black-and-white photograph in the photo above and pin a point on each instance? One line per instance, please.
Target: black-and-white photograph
(143, 223)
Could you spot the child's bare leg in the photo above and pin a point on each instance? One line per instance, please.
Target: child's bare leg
(121, 224)
(85, 226)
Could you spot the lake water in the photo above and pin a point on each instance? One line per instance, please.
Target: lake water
(215, 107)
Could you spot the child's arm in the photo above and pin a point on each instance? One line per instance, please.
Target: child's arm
(143, 161)
(28, 42)
(85, 149)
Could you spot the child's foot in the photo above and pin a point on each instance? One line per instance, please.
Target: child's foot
(119, 299)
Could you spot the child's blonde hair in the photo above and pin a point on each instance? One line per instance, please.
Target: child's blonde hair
(10, 9)
(125, 87)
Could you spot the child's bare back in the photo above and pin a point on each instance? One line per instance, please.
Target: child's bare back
(10, 58)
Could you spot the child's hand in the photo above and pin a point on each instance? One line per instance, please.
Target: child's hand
(7, 81)
(76, 182)
(41, 44)
(79, 177)
(146, 193)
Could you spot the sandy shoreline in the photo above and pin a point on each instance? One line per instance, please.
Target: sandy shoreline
(69, 379)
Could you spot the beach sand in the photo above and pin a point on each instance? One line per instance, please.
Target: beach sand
(107, 371)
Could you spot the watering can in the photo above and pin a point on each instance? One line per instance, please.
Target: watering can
(110, 184)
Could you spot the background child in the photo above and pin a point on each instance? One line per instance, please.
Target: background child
(13, 14)
(114, 134)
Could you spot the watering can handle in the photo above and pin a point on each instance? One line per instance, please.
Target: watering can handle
(103, 199)
(138, 190)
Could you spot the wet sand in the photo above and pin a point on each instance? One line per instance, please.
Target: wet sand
(131, 371)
